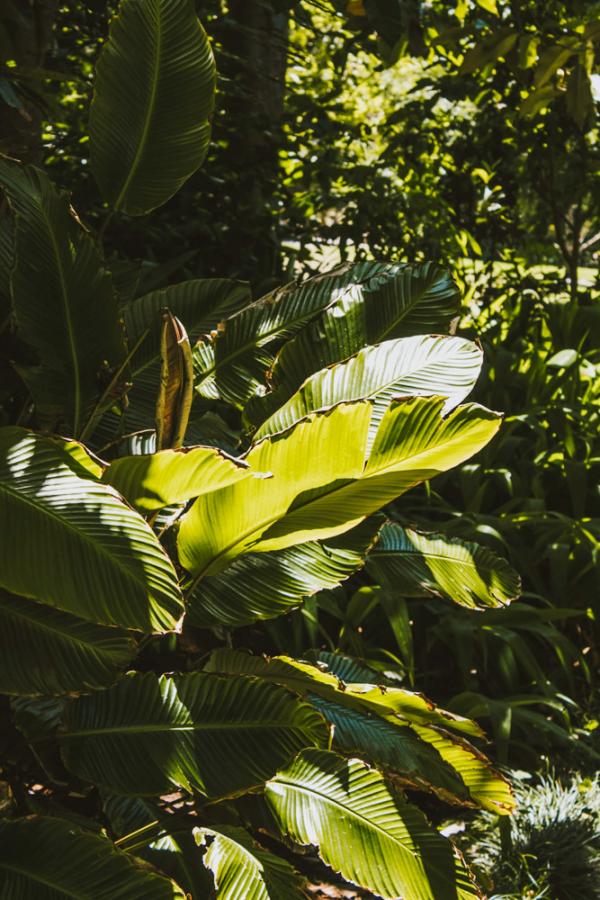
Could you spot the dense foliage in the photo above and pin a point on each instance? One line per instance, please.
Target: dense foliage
(225, 572)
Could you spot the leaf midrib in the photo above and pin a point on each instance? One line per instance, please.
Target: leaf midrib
(274, 724)
(32, 874)
(149, 114)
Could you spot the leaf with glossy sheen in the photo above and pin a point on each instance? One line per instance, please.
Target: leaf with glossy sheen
(218, 736)
(231, 365)
(365, 831)
(415, 366)
(400, 302)
(154, 480)
(46, 651)
(225, 523)
(264, 585)
(241, 869)
(412, 564)
(414, 442)
(63, 302)
(43, 858)
(154, 95)
(73, 543)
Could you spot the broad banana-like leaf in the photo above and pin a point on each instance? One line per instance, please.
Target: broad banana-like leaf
(265, 585)
(413, 443)
(422, 365)
(73, 543)
(242, 870)
(316, 452)
(395, 749)
(154, 480)
(200, 304)
(176, 392)
(411, 564)
(364, 830)
(392, 704)
(154, 95)
(219, 736)
(44, 858)
(231, 364)
(323, 484)
(63, 302)
(405, 301)
(46, 651)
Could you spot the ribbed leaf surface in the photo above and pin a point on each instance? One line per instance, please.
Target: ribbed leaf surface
(63, 301)
(242, 870)
(317, 451)
(411, 564)
(155, 480)
(413, 443)
(232, 364)
(73, 543)
(400, 302)
(46, 651)
(43, 858)
(218, 736)
(154, 94)
(415, 366)
(364, 830)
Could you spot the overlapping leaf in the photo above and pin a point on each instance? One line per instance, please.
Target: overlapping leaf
(412, 564)
(47, 858)
(218, 736)
(422, 365)
(154, 95)
(400, 302)
(242, 869)
(73, 543)
(46, 651)
(63, 302)
(364, 830)
(152, 481)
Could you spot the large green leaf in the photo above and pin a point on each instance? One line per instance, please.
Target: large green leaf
(364, 830)
(412, 564)
(154, 95)
(422, 365)
(43, 858)
(216, 735)
(152, 481)
(242, 870)
(318, 450)
(338, 487)
(401, 302)
(46, 651)
(73, 543)
(63, 302)
(265, 585)
(231, 364)
(413, 443)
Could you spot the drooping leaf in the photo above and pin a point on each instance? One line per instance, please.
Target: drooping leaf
(412, 564)
(242, 869)
(231, 365)
(414, 366)
(43, 858)
(219, 736)
(400, 301)
(265, 585)
(364, 830)
(318, 450)
(154, 95)
(63, 302)
(92, 554)
(46, 651)
(155, 480)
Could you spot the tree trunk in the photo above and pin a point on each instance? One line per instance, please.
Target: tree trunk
(26, 30)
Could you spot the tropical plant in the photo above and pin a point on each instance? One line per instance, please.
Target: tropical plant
(181, 464)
